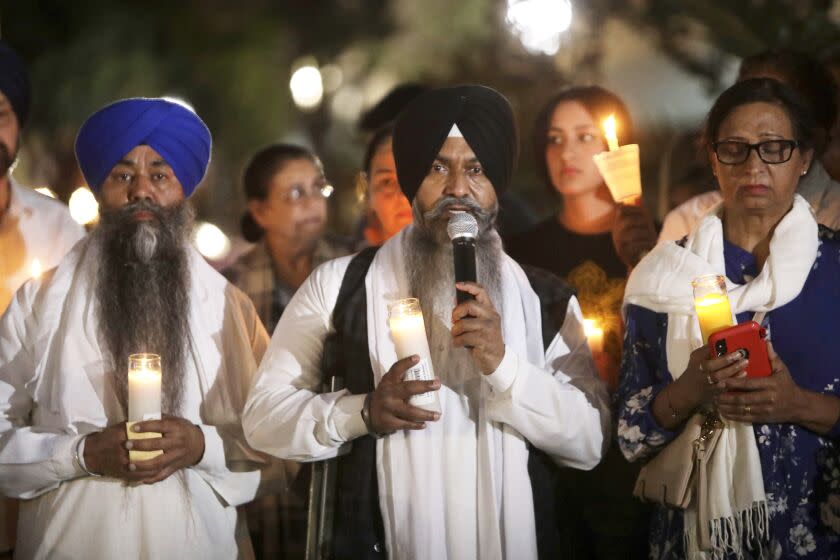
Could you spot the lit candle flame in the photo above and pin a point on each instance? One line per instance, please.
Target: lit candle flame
(610, 132)
(594, 334)
(35, 268)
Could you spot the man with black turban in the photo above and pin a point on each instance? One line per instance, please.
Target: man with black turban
(135, 285)
(515, 378)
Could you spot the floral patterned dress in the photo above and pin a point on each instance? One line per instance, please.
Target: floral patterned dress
(801, 469)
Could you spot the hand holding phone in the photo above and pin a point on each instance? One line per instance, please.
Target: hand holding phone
(747, 337)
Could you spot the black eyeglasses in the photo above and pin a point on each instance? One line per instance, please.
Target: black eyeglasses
(732, 152)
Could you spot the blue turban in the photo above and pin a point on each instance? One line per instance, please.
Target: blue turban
(169, 128)
(14, 82)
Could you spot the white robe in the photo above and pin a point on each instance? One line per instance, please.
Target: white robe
(54, 388)
(33, 227)
(440, 501)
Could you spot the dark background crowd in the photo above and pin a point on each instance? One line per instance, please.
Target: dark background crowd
(233, 63)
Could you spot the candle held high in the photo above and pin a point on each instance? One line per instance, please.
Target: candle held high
(619, 166)
(144, 399)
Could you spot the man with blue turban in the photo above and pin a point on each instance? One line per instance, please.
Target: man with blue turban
(135, 285)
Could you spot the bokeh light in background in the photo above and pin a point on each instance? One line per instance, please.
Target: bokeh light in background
(307, 87)
(84, 208)
(211, 241)
(539, 23)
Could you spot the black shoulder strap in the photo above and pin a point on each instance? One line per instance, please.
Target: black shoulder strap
(354, 277)
(347, 320)
(554, 296)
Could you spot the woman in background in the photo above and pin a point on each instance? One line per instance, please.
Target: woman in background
(592, 242)
(286, 219)
(387, 210)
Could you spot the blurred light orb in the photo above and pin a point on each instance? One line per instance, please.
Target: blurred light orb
(46, 191)
(307, 87)
(347, 103)
(539, 23)
(211, 241)
(327, 191)
(84, 208)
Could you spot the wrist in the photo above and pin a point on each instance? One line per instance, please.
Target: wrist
(366, 415)
(201, 447)
(802, 406)
(80, 455)
(680, 396)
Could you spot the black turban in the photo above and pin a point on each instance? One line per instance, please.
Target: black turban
(14, 82)
(483, 116)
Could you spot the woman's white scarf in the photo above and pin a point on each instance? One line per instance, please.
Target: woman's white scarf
(503, 531)
(735, 507)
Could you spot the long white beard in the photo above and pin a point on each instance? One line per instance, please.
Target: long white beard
(432, 279)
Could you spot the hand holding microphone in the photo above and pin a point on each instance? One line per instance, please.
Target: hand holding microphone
(463, 229)
(475, 323)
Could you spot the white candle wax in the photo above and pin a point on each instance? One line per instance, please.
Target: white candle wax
(409, 334)
(143, 394)
(144, 399)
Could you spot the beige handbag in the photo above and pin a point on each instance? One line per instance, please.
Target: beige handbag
(671, 477)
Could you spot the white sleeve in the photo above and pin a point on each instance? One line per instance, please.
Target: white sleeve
(32, 461)
(563, 409)
(285, 414)
(228, 464)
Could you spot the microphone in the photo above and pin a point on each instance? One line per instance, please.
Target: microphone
(463, 229)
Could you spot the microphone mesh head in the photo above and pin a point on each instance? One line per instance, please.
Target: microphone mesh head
(462, 224)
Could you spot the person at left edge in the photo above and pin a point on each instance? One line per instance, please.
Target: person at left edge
(457, 484)
(134, 285)
(35, 230)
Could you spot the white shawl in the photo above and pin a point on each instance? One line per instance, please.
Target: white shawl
(504, 531)
(735, 506)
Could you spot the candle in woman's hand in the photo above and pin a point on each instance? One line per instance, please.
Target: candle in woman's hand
(594, 335)
(711, 304)
(144, 399)
(620, 166)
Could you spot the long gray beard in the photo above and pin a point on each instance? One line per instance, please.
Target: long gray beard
(431, 276)
(143, 294)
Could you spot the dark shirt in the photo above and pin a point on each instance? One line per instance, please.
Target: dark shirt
(551, 246)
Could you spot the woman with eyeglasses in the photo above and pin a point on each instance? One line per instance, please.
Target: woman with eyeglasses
(286, 218)
(774, 475)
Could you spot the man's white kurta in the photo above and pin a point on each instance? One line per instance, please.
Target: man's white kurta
(33, 227)
(55, 387)
(460, 487)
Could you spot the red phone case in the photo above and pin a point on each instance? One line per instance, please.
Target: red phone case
(747, 336)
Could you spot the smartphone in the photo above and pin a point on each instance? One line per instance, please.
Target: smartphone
(748, 337)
